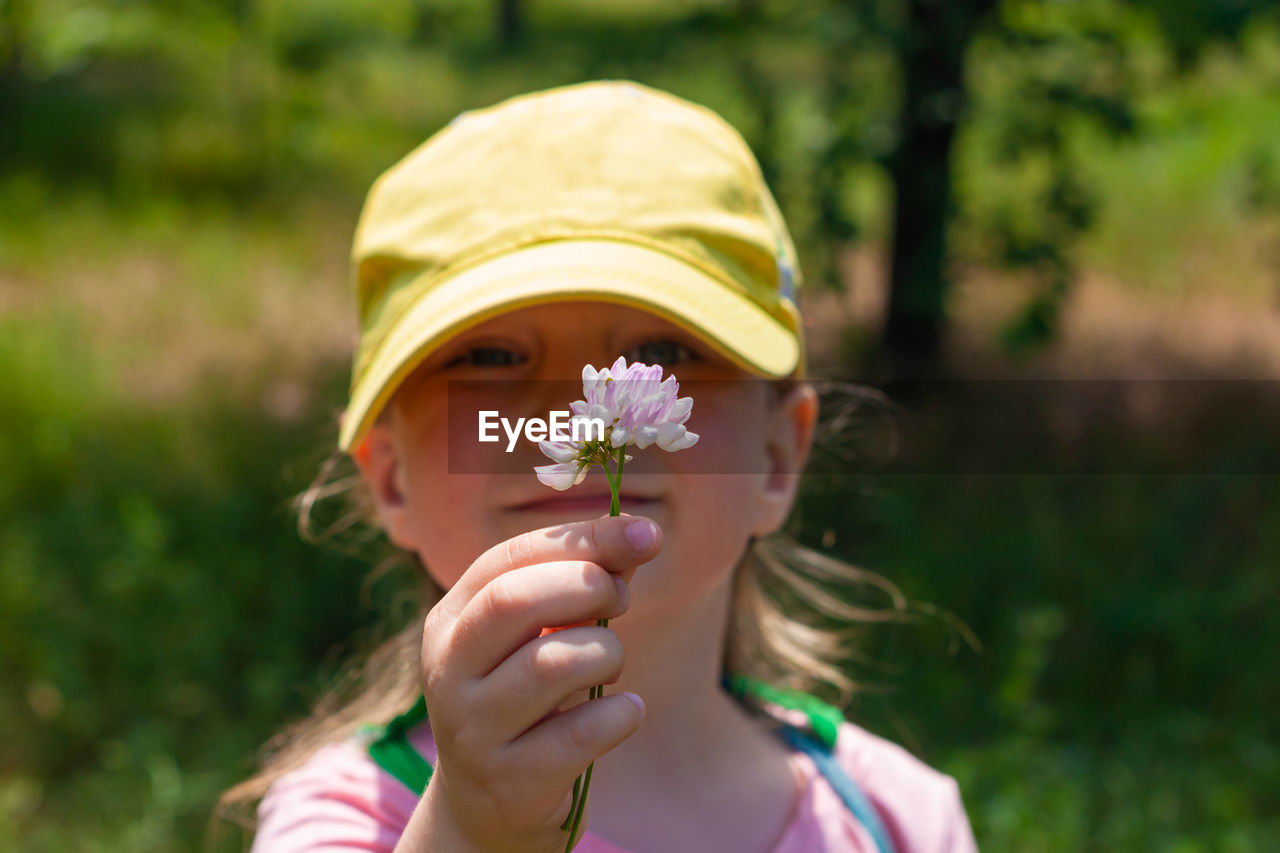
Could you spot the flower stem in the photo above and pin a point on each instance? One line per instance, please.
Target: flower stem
(616, 484)
(622, 457)
(579, 803)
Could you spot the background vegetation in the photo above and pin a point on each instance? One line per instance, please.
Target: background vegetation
(1070, 190)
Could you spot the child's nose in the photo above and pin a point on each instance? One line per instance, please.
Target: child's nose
(553, 394)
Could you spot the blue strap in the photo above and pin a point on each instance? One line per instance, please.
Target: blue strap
(824, 720)
(843, 785)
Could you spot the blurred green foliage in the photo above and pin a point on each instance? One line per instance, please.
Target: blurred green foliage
(159, 615)
(158, 612)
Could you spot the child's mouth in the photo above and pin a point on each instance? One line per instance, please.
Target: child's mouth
(589, 503)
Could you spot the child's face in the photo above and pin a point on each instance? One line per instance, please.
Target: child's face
(738, 480)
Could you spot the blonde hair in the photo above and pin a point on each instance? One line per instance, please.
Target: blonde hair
(791, 624)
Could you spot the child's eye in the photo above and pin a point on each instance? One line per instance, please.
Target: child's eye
(661, 351)
(486, 356)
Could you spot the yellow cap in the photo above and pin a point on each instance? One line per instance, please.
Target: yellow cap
(608, 190)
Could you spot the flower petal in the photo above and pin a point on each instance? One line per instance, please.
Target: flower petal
(646, 434)
(668, 433)
(560, 451)
(561, 476)
(689, 439)
(680, 410)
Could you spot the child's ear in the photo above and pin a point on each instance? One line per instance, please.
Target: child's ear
(383, 471)
(789, 436)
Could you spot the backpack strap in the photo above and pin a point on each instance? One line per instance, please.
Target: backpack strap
(842, 783)
(825, 721)
(823, 718)
(391, 749)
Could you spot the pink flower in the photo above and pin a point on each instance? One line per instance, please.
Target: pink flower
(637, 406)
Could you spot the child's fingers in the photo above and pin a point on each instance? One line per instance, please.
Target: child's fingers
(514, 607)
(603, 541)
(559, 748)
(534, 681)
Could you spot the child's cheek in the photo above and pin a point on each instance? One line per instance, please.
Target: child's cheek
(727, 444)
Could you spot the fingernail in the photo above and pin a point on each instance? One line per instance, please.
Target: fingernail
(624, 594)
(637, 701)
(642, 533)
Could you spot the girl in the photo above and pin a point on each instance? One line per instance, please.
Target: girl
(557, 229)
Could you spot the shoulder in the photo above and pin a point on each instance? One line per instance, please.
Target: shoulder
(921, 807)
(339, 799)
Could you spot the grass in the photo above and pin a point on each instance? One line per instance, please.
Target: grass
(171, 371)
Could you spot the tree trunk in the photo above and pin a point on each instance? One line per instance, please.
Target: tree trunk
(510, 23)
(13, 32)
(931, 55)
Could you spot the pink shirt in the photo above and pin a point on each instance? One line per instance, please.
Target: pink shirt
(341, 800)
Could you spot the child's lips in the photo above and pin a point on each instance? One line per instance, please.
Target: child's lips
(574, 503)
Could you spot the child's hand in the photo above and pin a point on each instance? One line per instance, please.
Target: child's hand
(507, 759)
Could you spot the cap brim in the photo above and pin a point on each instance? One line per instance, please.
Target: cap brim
(553, 271)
